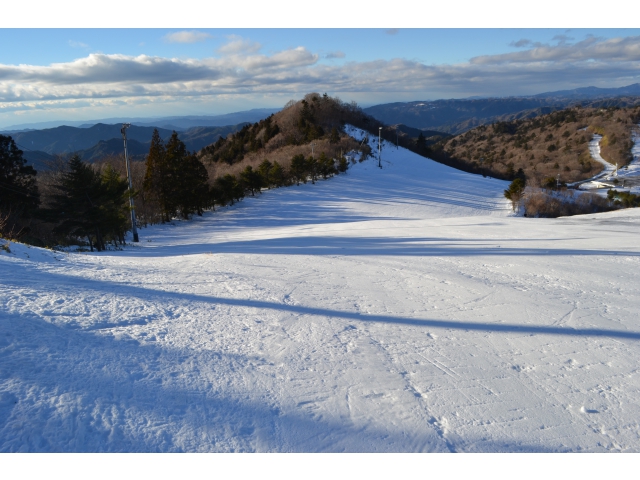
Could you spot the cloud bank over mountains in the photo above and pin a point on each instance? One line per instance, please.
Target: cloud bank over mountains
(240, 69)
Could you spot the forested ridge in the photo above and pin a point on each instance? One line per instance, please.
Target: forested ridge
(547, 146)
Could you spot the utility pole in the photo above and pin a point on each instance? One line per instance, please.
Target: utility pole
(397, 145)
(313, 171)
(379, 135)
(134, 230)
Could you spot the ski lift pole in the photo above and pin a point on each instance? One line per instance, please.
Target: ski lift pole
(379, 136)
(134, 230)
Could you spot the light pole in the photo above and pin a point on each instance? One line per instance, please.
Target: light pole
(313, 166)
(558, 182)
(397, 147)
(134, 230)
(379, 136)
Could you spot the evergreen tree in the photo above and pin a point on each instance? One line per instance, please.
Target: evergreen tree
(515, 191)
(114, 203)
(175, 178)
(251, 180)
(299, 169)
(307, 125)
(264, 169)
(421, 143)
(19, 196)
(194, 187)
(326, 166)
(343, 164)
(228, 189)
(156, 180)
(335, 137)
(277, 175)
(88, 205)
(312, 168)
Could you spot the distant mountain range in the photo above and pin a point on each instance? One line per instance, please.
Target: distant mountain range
(103, 140)
(457, 116)
(594, 93)
(170, 123)
(434, 119)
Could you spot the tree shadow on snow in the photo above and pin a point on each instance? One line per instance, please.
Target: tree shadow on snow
(378, 246)
(48, 280)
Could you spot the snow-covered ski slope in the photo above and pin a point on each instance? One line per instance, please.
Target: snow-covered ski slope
(398, 309)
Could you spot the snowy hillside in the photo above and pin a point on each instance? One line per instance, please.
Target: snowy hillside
(396, 309)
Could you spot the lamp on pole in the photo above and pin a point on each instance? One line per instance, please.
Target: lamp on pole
(379, 136)
(134, 230)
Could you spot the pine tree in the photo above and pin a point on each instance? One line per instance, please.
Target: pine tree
(174, 179)
(19, 196)
(421, 143)
(88, 205)
(264, 169)
(156, 184)
(312, 168)
(228, 189)
(277, 175)
(515, 191)
(334, 138)
(194, 187)
(299, 169)
(326, 166)
(114, 203)
(251, 180)
(343, 164)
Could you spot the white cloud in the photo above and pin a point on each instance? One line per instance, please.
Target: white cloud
(186, 36)
(75, 44)
(524, 42)
(102, 78)
(337, 54)
(238, 45)
(592, 48)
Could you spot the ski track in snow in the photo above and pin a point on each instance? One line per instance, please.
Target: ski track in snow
(396, 309)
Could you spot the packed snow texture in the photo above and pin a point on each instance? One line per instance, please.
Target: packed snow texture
(402, 309)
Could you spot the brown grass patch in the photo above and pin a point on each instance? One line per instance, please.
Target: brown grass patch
(544, 203)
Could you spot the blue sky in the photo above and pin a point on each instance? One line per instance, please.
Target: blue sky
(432, 46)
(83, 74)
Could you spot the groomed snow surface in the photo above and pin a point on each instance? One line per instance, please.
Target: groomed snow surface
(402, 309)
